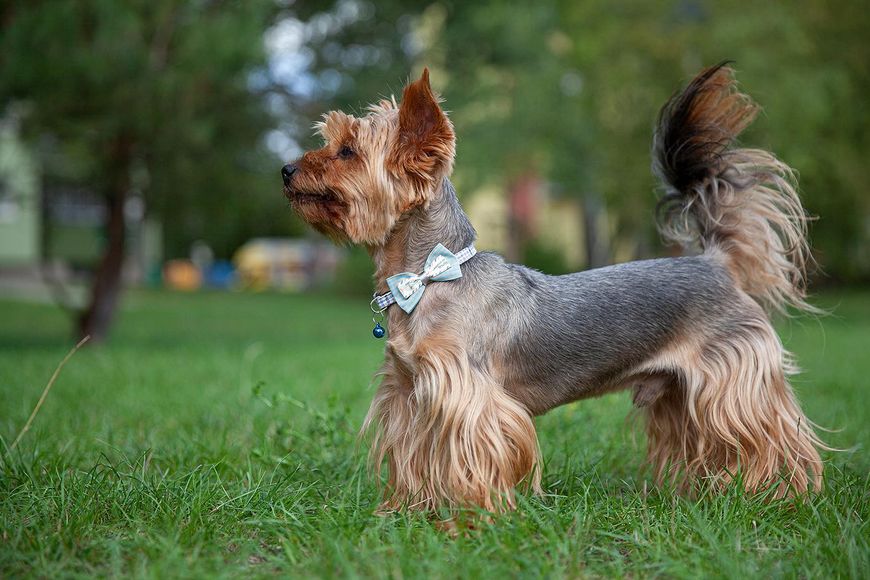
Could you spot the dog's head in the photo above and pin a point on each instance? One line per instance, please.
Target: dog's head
(372, 170)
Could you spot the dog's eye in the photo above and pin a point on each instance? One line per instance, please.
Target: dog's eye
(345, 152)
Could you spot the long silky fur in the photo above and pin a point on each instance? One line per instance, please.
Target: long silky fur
(455, 439)
(730, 411)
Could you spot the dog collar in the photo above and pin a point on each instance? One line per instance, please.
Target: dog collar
(406, 288)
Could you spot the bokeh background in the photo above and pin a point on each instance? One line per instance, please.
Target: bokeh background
(141, 141)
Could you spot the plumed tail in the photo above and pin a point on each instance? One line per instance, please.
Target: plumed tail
(740, 203)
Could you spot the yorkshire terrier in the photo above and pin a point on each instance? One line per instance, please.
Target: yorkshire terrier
(478, 346)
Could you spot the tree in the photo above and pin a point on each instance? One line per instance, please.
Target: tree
(149, 95)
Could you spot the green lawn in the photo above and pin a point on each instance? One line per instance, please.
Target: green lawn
(215, 436)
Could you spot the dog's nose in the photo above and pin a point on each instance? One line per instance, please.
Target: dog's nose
(287, 172)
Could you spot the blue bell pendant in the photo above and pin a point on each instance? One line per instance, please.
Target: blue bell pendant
(377, 317)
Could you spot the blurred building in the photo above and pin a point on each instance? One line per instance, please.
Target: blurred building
(53, 232)
(286, 264)
(530, 214)
(20, 208)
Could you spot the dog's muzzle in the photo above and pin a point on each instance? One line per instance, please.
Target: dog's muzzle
(287, 173)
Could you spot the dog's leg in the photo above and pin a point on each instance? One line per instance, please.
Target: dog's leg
(389, 421)
(456, 439)
(649, 388)
(733, 411)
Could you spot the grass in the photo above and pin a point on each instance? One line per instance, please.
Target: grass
(214, 436)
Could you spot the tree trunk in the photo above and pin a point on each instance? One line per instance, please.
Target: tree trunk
(97, 318)
(595, 228)
(523, 194)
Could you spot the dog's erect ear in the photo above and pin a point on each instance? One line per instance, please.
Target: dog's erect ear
(426, 142)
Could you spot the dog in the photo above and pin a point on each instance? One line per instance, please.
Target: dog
(477, 346)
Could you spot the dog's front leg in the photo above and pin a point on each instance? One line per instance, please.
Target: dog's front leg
(453, 437)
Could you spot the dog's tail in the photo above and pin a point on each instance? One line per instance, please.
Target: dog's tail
(741, 203)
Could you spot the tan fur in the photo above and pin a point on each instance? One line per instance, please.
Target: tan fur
(450, 434)
(729, 409)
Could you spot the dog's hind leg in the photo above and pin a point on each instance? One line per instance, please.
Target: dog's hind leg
(732, 412)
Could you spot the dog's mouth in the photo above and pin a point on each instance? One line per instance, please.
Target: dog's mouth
(308, 197)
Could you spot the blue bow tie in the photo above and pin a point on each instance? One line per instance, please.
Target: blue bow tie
(407, 288)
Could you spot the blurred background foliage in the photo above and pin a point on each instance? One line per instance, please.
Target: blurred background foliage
(194, 105)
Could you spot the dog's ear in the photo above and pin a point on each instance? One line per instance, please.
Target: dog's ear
(426, 142)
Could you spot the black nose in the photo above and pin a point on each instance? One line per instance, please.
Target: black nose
(287, 172)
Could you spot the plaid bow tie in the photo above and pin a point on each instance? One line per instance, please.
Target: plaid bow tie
(407, 288)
